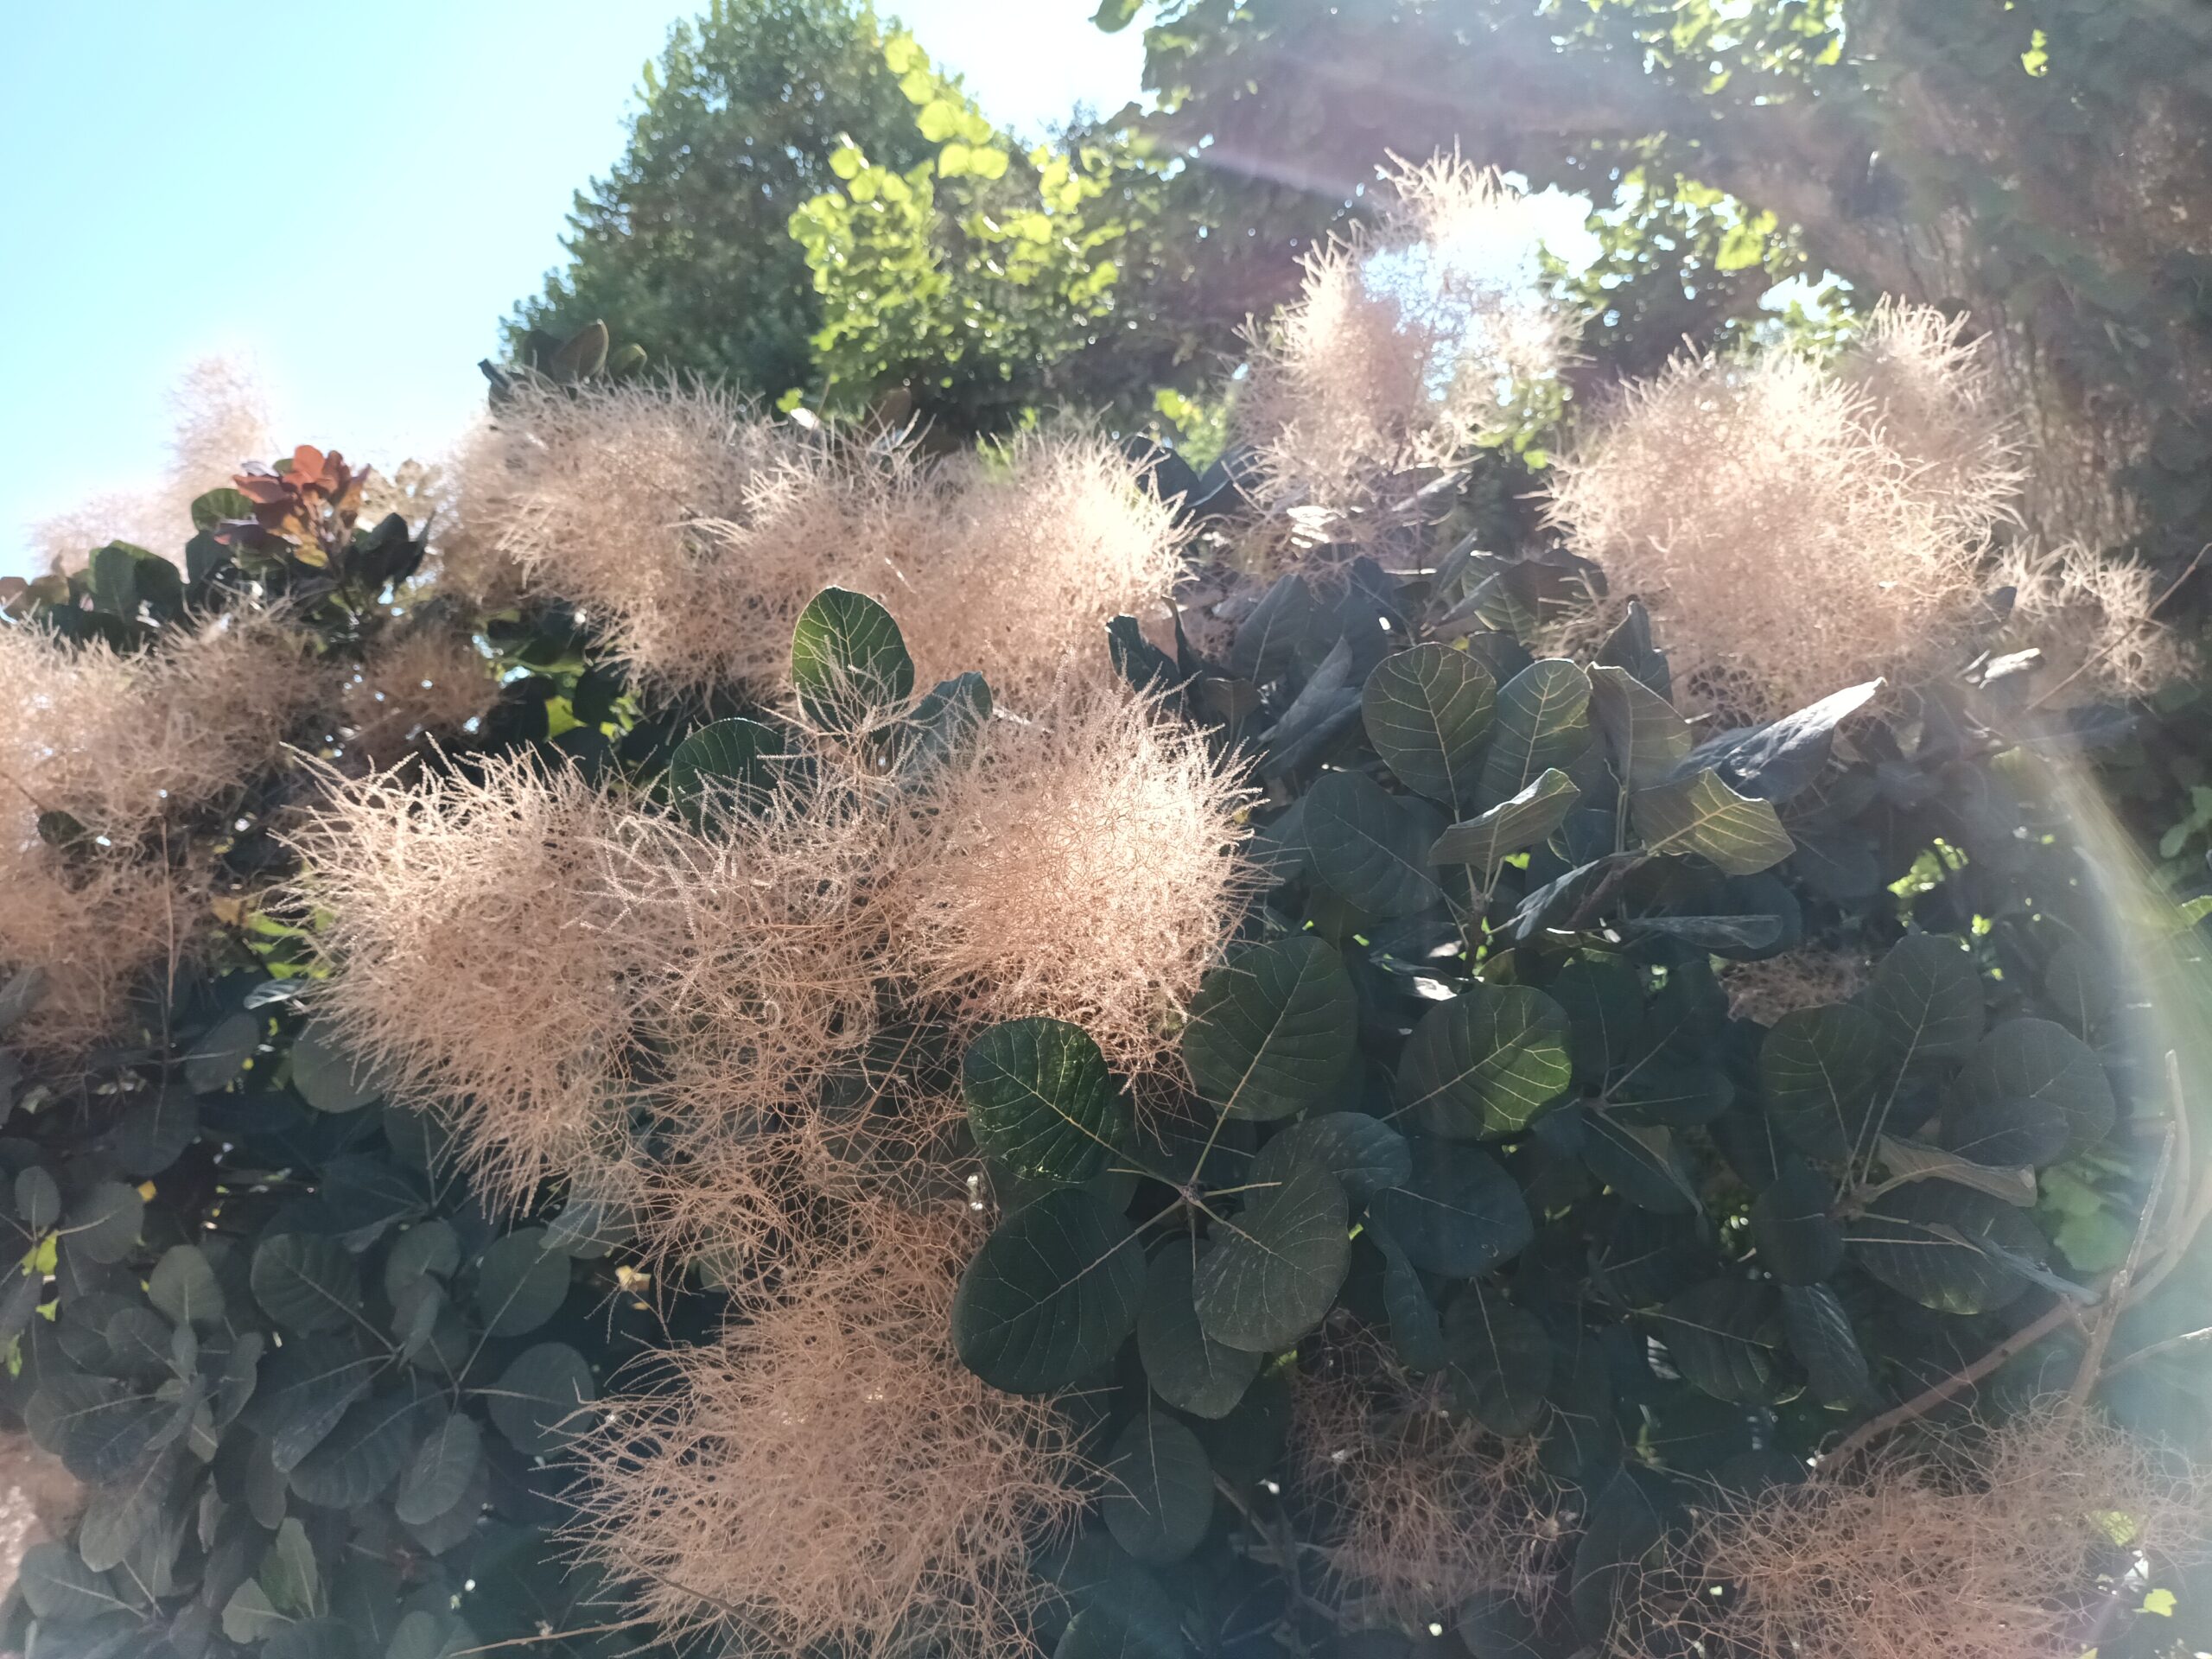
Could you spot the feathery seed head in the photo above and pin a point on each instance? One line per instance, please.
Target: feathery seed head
(828, 1475)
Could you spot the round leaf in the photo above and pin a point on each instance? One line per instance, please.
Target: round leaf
(521, 1283)
(1800, 1243)
(537, 1402)
(1945, 1246)
(1716, 1335)
(849, 661)
(1458, 1215)
(1543, 721)
(1927, 994)
(1272, 1030)
(727, 763)
(326, 1077)
(1821, 1337)
(1041, 1101)
(104, 1224)
(1275, 1274)
(360, 1458)
(306, 1282)
(1365, 1152)
(1050, 1295)
(1486, 1063)
(1428, 712)
(1369, 847)
(1820, 1070)
(438, 1475)
(1159, 1501)
(1187, 1368)
(183, 1286)
(2040, 1060)
(1500, 1359)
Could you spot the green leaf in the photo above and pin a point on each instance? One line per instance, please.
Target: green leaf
(429, 1247)
(1702, 814)
(949, 714)
(214, 506)
(1495, 1624)
(1041, 1101)
(437, 1477)
(1486, 1063)
(1647, 737)
(1428, 712)
(1268, 640)
(1604, 1000)
(360, 1458)
(1717, 1336)
(1781, 758)
(1050, 1295)
(1820, 1070)
(104, 1224)
(250, 1617)
(183, 1286)
(1272, 1031)
(313, 1638)
(1368, 846)
(1115, 15)
(1487, 840)
(1105, 1629)
(217, 1058)
(288, 1572)
(729, 764)
(1159, 1499)
(424, 1635)
(849, 661)
(1927, 994)
(122, 1514)
(582, 355)
(2041, 1060)
(328, 1078)
(1460, 1213)
(1820, 1337)
(1641, 1162)
(1500, 1360)
(1799, 1243)
(308, 1385)
(538, 1403)
(38, 1198)
(306, 1282)
(60, 1587)
(1187, 1368)
(1543, 721)
(1416, 1332)
(1365, 1152)
(521, 1282)
(1926, 1241)
(1275, 1272)
(1620, 1546)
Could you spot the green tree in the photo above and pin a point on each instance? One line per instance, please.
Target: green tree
(683, 248)
(992, 278)
(2039, 163)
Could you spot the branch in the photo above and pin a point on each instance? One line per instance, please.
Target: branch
(1921, 1404)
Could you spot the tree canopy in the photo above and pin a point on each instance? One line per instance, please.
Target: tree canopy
(683, 248)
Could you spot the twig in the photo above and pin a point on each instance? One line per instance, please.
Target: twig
(2135, 1358)
(550, 1636)
(1285, 1554)
(2116, 1295)
(1928, 1399)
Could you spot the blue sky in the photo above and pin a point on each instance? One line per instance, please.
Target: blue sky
(349, 198)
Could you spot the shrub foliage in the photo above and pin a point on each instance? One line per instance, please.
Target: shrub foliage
(1360, 1130)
